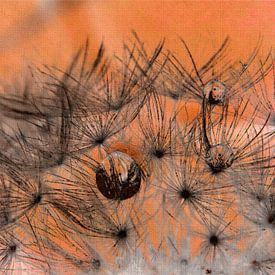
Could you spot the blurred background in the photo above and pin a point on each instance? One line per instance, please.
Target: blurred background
(50, 31)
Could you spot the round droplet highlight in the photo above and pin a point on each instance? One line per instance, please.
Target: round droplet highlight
(118, 177)
(219, 157)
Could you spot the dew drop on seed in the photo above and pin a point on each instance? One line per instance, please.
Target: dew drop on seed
(219, 157)
(118, 177)
(215, 92)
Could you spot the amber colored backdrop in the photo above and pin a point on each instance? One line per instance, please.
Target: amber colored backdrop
(49, 31)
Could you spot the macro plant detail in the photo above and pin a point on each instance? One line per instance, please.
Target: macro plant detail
(107, 169)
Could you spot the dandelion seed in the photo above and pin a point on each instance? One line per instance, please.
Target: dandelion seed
(19, 252)
(231, 142)
(258, 258)
(187, 187)
(41, 140)
(161, 137)
(218, 80)
(219, 240)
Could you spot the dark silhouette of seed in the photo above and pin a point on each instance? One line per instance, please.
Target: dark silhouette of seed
(122, 234)
(99, 141)
(214, 240)
(37, 199)
(12, 248)
(159, 153)
(185, 194)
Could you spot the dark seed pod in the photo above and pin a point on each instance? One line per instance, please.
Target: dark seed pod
(118, 177)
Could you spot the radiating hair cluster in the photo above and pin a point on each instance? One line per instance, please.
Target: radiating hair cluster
(145, 162)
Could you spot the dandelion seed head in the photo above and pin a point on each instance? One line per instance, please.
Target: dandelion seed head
(184, 261)
(255, 264)
(259, 197)
(102, 200)
(174, 95)
(258, 257)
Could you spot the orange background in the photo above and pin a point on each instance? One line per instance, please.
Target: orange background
(48, 31)
(33, 33)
